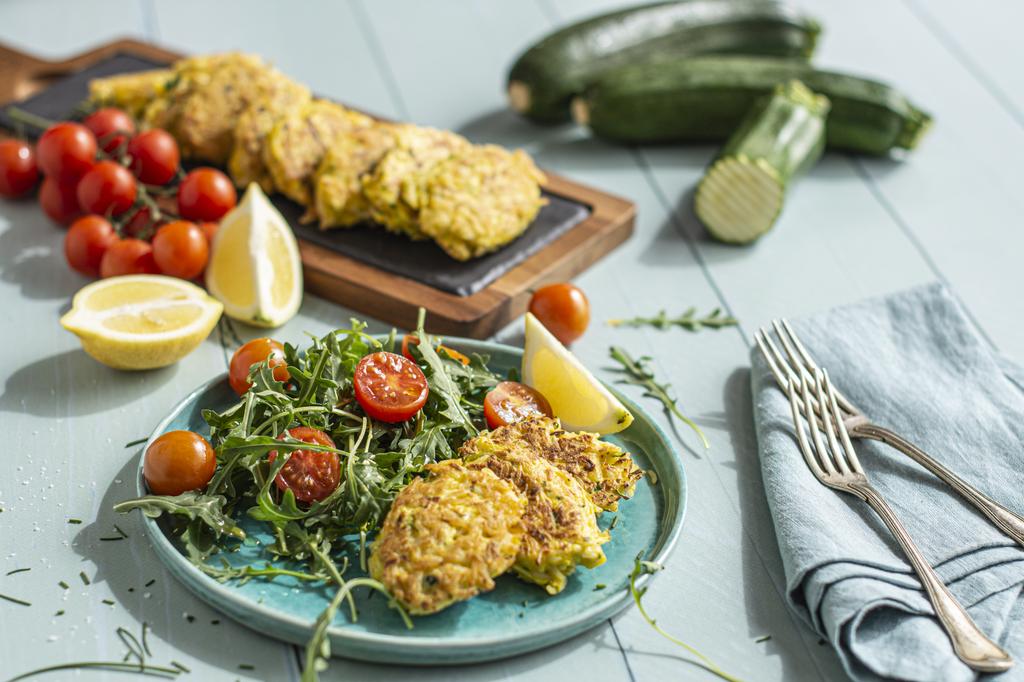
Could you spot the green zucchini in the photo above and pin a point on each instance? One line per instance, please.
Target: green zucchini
(705, 98)
(741, 194)
(544, 79)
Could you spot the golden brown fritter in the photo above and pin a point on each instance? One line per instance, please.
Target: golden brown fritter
(447, 537)
(132, 92)
(245, 165)
(297, 143)
(338, 195)
(394, 188)
(560, 518)
(607, 472)
(479, 199)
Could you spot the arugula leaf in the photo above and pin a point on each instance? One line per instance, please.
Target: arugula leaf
(193, 505)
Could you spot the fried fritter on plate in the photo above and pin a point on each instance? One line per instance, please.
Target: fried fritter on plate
(297, 143)
(480, 199)
(606, 471)
(338, 195)
(394, 188)
(447, 537)
(255, 122)
(132, 92)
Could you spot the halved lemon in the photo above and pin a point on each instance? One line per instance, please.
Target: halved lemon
(254, 269)
(141, 321)
(577, 398)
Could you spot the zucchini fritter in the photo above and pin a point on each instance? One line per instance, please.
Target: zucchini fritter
(246, 164)
(447, 537)
(132, 92)
(338, 192)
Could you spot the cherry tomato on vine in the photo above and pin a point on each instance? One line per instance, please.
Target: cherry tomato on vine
(181, 250)
(59, 200)
(563, 309)
(205, 194)
(111, 127)
(155, 156)
(390, 388)
(86, 242)
(413, 340)
(66, 151)
(18, 170)
(210, 230)
(128, 257)
(248, 355)
(139, 223)
(107, 188)
(510, 402)
(309, 474)
(177, 462)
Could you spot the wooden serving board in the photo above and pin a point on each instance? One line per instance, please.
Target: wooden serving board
(369, 289)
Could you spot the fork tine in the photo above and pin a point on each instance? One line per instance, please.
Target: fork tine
(774, 359)
(828, 417)
(844, 436)
(819, 445)
(801, 437)
(795, 361)
(805, 355)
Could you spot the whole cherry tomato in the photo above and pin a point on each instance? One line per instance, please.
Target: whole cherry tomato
(210, 230)
(413, 340)
(510, 402)
(310, 475)
(111, 127)
(563, 309)
(181, 250)
(205, 194)
(66, 151)
(248, 355)
(59, 200)
(128, 257)
(177, 462)
(86, 242)
(155, 156)
(107, 188)
(18, 170)
(389, 387)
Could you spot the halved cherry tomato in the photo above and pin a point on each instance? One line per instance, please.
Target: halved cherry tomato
(59, 200)
(86, 242)
(18, 170)
(155, 156)
(128, 257)
(66, 151)
(563, 309)
(111, 127)
(413, 340)
(178, 461)
(390, 388)
(248, 355)
(181, 250)
(205, 194)
(510, 402)
(107, 188)
(309, 474)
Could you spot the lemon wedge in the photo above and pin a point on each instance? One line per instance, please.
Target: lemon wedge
(254, 267)
(141, 321)
(577, 398)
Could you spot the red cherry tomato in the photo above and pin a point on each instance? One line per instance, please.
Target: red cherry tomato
(59, 200)
(413, 340)
(155, 156)
(140, 224)
(181, 250)
(66, 151)
(210, 230)
(128, 257)
(510, 402)
(205, 194)
(248, 355)
(390, 388)
(107, 188)
(563, 309)
(18, 170)
(86, 242)
(309, 474)
(177, 462)
(111, 127)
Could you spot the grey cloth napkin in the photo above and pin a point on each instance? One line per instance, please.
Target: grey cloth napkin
(912, 362)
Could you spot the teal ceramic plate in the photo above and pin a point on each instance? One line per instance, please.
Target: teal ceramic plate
(512, 619)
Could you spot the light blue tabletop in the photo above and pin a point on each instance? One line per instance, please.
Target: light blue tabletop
(854, 228)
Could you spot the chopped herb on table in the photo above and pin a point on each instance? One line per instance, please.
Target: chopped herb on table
(688, 321)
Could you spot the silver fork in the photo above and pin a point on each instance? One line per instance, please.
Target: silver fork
(835, 464)
(797, 363)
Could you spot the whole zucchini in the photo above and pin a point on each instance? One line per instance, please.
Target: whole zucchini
(544, 79)
(741, 194)
(705, 98)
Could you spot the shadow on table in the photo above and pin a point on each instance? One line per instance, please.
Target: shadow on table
(67, 383)
(31, 255)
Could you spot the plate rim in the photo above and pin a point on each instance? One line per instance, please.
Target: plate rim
(212, 591)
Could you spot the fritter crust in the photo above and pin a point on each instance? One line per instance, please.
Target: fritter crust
(245, 164)
(447, 537)
(338, 195)
(132, 92)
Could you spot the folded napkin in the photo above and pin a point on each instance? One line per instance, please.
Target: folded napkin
(912, 362)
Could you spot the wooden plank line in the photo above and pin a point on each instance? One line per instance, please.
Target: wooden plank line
(150, 20)
(625, 658)
(380, 59)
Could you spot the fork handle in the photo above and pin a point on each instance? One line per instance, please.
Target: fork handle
(971, 645)
(1007, 521)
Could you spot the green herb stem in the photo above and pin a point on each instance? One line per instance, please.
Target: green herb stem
(688, 321)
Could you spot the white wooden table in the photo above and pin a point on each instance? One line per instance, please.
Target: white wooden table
(855, 228)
